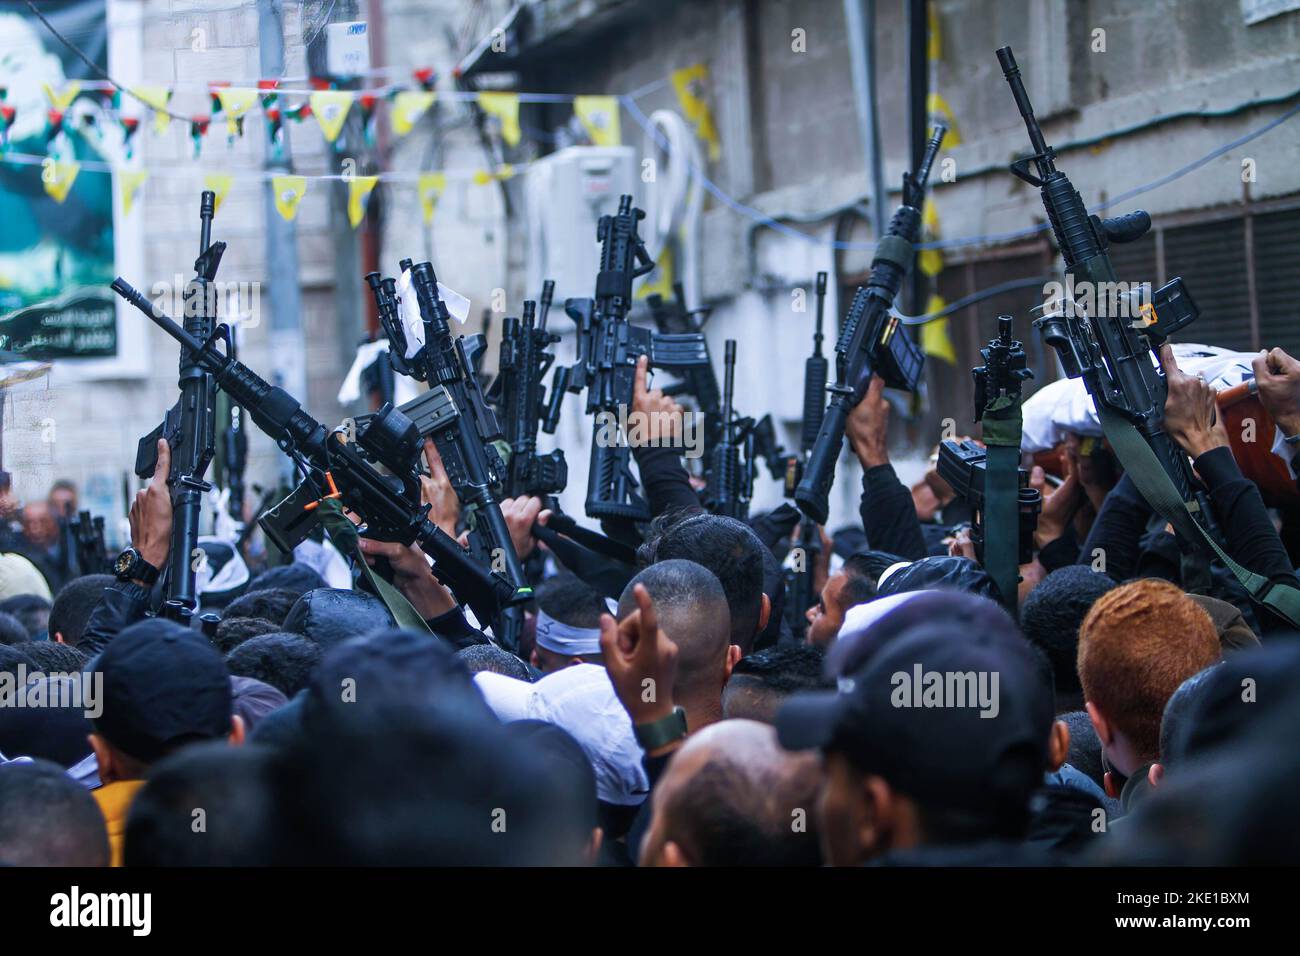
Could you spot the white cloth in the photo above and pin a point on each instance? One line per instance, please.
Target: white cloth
(1065, 405)
(561, 638)
(581, 700)
(412, 324)
(858, 619)
(367, 352)
(507, 697)
(323, 558)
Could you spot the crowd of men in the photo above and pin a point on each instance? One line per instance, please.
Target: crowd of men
(669, 716)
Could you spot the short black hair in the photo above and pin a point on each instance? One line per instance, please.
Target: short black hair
(569, 600)
(1050, 620)
(234, 788)
(733, 552)
(689, 601)
(1174, 724)
(31, 609)
(788, 668)
(1085, 746)
(296, 577)
(12, 630)
(73, 604)
(55, 658)
(48, 819)
(11, 657)
(861, 573)
(285, 661)
(872, 564)
(270, 603)
(233, 631)
(489, 657)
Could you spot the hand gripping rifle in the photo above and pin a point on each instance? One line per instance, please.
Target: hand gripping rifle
(990, 479)
(872, 341)
(519, 395)
(608, 349)
(339, 466)
(1112, 350)
(190, 429)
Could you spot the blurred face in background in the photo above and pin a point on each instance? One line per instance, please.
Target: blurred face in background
(39, 526)
(62, 501)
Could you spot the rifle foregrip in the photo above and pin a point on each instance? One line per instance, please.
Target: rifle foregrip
(815, 372)
(819, 474)
(1127, 228)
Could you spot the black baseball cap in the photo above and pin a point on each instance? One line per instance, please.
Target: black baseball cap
(952, 718)
(163, 686)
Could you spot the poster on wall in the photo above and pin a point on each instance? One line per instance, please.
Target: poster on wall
(56, 202)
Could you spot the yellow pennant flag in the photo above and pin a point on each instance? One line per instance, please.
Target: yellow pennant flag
(938, 107)
(930, 261)
(157, 97)
(688, 82)
(661, 279)
(505, 107)
(58, 178)
(359, 189)
(288, 192)
(220, 184)
(430, 187)
(599, 117)
(235, 102)
(934, 45)
(408, 107)
(330, 107)
(62, 99)
(935, 339)
(129, 182)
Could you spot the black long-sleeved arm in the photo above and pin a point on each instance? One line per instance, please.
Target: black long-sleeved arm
(1117, 532)
(454, 628)
(1252, 540)
(664, 480)
(889, 515)
(121, 605)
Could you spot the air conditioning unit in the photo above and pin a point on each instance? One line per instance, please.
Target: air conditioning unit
(565, 194)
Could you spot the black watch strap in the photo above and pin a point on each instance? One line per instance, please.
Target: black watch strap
(661, 732)
(131, 566)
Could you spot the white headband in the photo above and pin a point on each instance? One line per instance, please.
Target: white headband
(561, 638)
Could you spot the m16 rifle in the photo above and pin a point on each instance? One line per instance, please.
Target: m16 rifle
(88, 533)
(730, 484)
(872, 341)
(340, 464)
(699, 381)
(190, 429)
(519, 395)
(609, 347)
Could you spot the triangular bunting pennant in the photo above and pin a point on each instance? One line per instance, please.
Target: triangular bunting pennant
(129, 182)
(331, 110)
(63, 98)
(220, 184)
(408, 106)
(288, 192)
(688, 83)
(235, 102)
(359, 188)
(935, 340)
(58, 178)
(157, 98)
(505, 107)
(599, 117)
(430, 187)
(938, 108)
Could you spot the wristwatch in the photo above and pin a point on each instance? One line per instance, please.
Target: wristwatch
(131, 566)
(661, 732)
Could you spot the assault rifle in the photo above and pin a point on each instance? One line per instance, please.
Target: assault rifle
(608, 349)
(190, 429)
(341, 464)
(872, 341)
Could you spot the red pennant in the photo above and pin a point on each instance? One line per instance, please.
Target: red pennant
(426, 77)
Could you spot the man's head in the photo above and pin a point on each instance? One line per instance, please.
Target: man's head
(495, 660)
(692, 609)
(285, 661)
(62, 498)
(72, 606)
(164, 687)
(761, 682)
(734, 554)
(12, 630)
(330, 615)
(569, 769)
(233, 786)
(853, 584)
(51, 657)
(733, 797)
(32, 610)
(1137, 644)
(48, 819)
(272, 604)
(940, 738)
(1050, 619)
(40, 527)
(296, 577)
(568, 623)
(233, 631)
